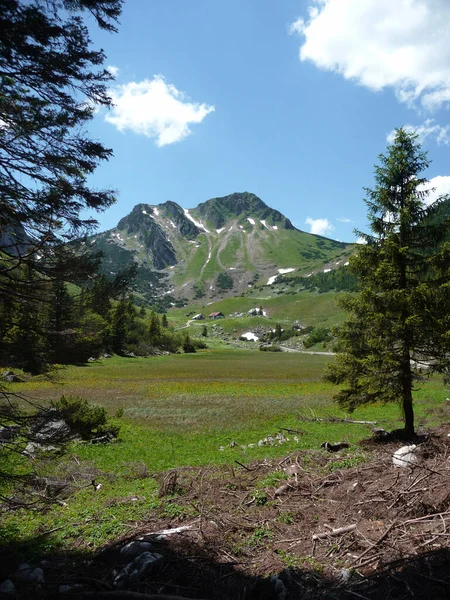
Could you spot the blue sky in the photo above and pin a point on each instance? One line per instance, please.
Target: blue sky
(292, 100)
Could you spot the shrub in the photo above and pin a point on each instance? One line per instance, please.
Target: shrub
(188, 346)
(317, 335)
(199, 344)
(82, 417)
(272, 348)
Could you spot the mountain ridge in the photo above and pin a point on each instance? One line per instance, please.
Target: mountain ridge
(182, 252)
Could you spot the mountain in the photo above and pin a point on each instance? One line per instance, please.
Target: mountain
(222, 247)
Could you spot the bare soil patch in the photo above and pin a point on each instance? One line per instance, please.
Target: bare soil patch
(371, 531)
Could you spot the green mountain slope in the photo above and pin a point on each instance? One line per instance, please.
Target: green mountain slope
(220, 248)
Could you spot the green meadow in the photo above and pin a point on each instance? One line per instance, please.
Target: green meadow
(182, 410)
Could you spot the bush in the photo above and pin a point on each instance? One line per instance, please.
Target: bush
(199, 344)
(272, 348)
(317, 335)
(224, 281)
(88, 420)
(188, 346)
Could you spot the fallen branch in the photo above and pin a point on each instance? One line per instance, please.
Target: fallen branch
(336, 420)
(299, 431)
(243, 466)
(325, 534)
(379, 540)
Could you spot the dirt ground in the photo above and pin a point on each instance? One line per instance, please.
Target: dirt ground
(370, 531)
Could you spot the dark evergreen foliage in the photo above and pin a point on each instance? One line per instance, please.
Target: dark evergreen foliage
(398, 324)
(224, 281)
(51, 80)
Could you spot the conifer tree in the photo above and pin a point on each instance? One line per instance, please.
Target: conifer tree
(99, 297)
(188, 346)
(51, 82)
(399, 321)
(119, 320)
(154, 329)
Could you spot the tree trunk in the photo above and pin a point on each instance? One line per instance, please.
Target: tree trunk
(407, 401)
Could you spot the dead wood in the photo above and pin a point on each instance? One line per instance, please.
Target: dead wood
(333, 532)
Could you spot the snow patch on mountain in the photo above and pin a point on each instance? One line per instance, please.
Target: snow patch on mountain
(197, 223)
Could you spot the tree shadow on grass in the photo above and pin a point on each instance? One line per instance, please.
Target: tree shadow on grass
(192, 569)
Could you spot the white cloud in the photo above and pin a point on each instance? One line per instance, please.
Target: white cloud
(429, 129)
(441, 185)
(155, 109)
(361, 240)
(345, 220)
(113, 70)
(319, 226)
(401, 44)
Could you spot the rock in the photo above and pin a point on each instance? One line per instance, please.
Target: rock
(10, 377)
(380, 434)
(49, 426)
(32, 449)
(283, 489)
(134, 549)
(52, 430)
(405, 456)
(141, 565)
(233, 444)
(27, 574)
(293, 470)
(7, 588)
(334, 447)
(8, 432)
(355, 488)
(91, 359)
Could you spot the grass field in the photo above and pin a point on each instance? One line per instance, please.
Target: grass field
(307, 307)
(181, 409)
(186, 410)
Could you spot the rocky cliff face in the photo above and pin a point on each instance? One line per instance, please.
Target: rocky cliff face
(187, 252)
(141, 225)
(220, 211)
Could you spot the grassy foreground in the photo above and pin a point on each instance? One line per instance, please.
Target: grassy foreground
(186, 410)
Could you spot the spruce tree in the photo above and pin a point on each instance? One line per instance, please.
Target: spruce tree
(154, 330)
(51, 80)
(398, 323)
(119, 320)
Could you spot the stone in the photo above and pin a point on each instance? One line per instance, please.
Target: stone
(52, 430)
(27, 574)
(8, 433)
(32, 449)
(380, 434)
(134, 549)
(334, 447)
(10, 377)
(141, 565)
(405, 456)
(7, 588)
